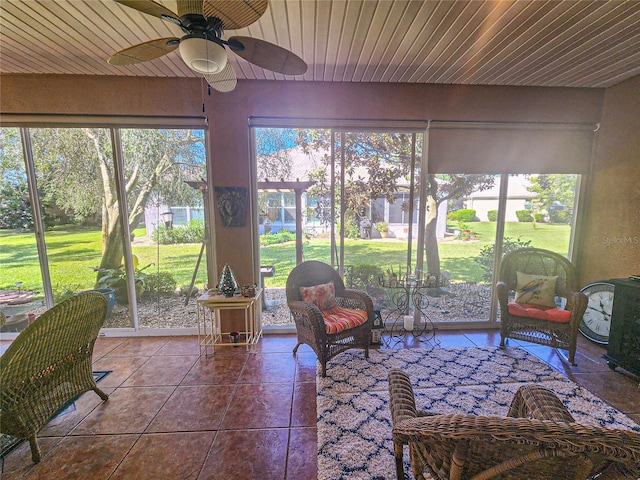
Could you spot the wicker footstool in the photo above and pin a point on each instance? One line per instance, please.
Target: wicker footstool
(538, 440)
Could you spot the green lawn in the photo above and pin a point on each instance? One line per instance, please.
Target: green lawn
(74, 250)
(458, 257)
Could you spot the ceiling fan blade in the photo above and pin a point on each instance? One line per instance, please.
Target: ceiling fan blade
(152, 8)
(235, 13)
(270, 56)
(189, 6)
(144, 51)
(225, 81)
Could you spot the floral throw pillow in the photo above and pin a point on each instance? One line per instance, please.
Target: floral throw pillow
(323, 296)
(536, 289)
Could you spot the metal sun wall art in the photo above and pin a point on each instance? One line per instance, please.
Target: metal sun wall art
(232, 205)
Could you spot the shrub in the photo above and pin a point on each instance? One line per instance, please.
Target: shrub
(492, 215)
(191, 233)
(363, 276)
(162, 282)
(184, 290)
(485, 257)
(351, 230)
(382, 227)
(116, 278)
(462, 215)
(560, 216)
(281, 237)
(15, 207)
(524, 216)
(62, 292)
(540, 217)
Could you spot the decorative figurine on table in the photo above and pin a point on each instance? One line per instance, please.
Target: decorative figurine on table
(228, 283)
(249, 290)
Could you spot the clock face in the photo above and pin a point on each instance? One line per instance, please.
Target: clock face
(596, 320)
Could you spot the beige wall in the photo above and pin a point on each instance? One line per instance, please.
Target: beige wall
(610, 243)
(228, 117)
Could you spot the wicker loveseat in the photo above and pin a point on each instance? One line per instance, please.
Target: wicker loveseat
(526, 318)
(310, 321)
(48, 365)
(538, 440)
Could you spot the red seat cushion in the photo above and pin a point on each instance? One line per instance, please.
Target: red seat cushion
(539, 312)
(337, 319)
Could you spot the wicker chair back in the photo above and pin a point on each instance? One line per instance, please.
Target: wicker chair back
(311, 273)
(49, 364)
(537, 261)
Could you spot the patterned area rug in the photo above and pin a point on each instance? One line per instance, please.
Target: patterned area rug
(354, 425)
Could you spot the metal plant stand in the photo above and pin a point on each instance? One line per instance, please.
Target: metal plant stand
(410, 295)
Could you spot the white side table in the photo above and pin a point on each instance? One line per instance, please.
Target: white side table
(210, 334)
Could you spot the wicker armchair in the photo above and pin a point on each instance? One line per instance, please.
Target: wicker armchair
(49, 364)
(518, 325)
(538, 440)
(310, 325)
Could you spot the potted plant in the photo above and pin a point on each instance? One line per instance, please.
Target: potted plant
(383, 228)
(116, 278)
(110, 294)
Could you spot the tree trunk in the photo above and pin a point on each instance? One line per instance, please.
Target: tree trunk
(112, 230)
(112, 248)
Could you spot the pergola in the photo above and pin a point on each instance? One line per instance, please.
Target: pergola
(298, 188)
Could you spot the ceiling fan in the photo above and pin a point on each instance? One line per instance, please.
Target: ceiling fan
(202, 47)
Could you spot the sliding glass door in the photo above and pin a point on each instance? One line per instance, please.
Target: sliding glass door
(356, 194)
(118, 211)
(164, 171)
(21, 282)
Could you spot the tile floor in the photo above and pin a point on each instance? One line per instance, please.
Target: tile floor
(237, 415)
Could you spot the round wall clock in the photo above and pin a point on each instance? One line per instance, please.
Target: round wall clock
(596, 320)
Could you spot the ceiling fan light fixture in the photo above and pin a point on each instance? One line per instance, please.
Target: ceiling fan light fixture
(202, 55)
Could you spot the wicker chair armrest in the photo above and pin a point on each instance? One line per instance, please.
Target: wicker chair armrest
(500, 432)
(502, 290)
(402, 402)
(361, 299)
(536, 401)
(308, 315)
(576, 304)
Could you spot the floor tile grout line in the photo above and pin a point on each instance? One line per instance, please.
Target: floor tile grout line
(293, 396)
(175, 387)
(124, 457)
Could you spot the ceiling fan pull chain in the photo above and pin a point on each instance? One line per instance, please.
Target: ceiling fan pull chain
(202, 92)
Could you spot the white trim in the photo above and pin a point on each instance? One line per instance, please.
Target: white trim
(147, 332)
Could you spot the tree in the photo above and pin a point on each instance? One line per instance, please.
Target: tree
(273, 151)
(441, 188)
(375, 164)
(15, 203)
(76, 171)
(11, 161)
(554, 192)
(15, 207)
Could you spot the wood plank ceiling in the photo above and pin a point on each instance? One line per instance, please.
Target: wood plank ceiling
(526, 42)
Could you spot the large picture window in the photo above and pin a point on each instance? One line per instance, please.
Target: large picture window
(375, 206)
